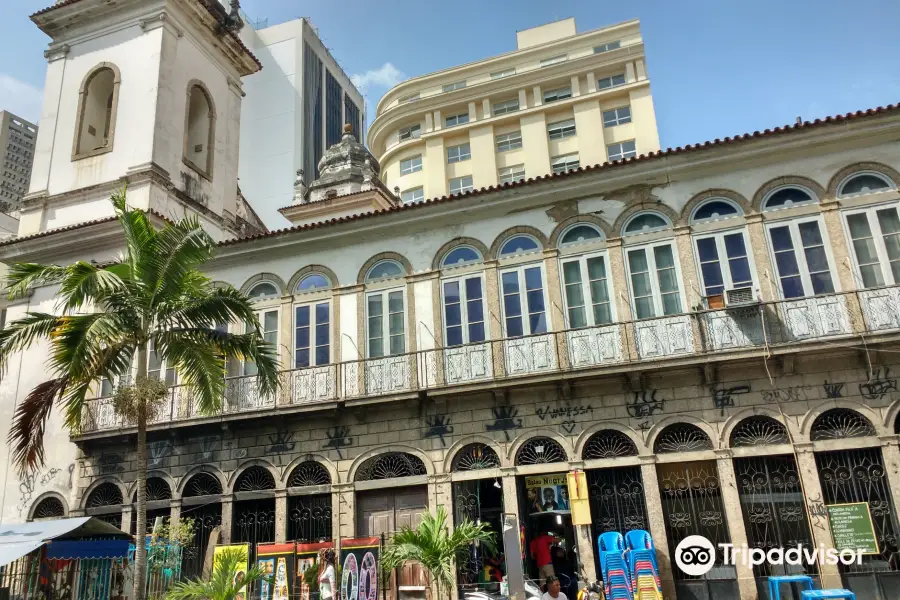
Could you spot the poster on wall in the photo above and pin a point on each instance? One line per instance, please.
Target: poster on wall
(307, 557)
(277, 562)
(240, 570)
(359, 568)
(547, 493)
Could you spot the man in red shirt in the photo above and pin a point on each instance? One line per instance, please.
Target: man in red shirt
(540, 552)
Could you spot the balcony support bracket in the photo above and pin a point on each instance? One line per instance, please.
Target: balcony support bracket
(787, 364)
(564, 389)
(635, 381)
(709, 373)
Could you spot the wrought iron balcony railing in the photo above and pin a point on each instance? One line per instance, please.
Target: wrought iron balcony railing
(721, 332)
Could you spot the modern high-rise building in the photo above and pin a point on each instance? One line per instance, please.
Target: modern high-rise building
(295, 108)
(559, 101)
(17, 138)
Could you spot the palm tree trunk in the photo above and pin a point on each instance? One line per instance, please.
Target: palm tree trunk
(140, 554)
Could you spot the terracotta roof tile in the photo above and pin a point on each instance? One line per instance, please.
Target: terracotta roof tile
(72, 227)
(576, 172)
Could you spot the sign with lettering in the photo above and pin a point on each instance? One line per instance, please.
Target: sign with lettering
(851, 527)
(547, 493)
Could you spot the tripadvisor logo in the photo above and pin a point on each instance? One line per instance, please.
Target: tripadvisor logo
(695, 555)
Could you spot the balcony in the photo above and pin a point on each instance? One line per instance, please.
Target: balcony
(699, 337)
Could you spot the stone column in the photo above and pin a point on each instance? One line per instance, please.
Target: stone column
(656, 524)
(819, 525)
(281, 515)
(174, 510)
(227, 511)
(127, 511)
(735, 520)
(440, 493)
(510, 491)
(343, 510)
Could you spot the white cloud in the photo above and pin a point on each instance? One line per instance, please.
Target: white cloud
(386, 76)
(20, 98)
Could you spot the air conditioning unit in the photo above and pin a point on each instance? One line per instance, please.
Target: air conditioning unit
(741, 296)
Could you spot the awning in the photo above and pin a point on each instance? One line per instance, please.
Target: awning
(19, 539)
(72, 549)
(15, 551)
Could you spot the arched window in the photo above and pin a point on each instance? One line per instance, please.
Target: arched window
(105, 494)
(385, 269)
(157, 489)
(788, 196)
(459, 256)
(864, 183)
(645, 222)
(309, 473)
(312, 282)
(758, 431)
(389, 466)
(202, 484)
(608, 443)
(49, 508)
(385, 313)
(540, 450)
(97, 103)
(715, 209)
(579, 234)
(255, 479)
(473, 457)
(682, 437)
(839, 423)
(199, 132)
(263, 290)
(519, 244)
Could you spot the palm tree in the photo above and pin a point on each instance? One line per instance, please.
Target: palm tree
(435, 548)
(223, 584)
(153, 298)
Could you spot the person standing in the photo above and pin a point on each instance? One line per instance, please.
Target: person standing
(326, 578)
(540, 552)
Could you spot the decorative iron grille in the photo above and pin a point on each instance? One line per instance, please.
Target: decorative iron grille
(540, 450)
(255, 479)
(206, 518)
(390, 465)
(473, 457)
(253, 523)
(608, 443)
(617, 501)
(49, 508)
(105, 494)
(157, 489)
(839, 423)
(758, 431)
(682, 437)
(309, 473)
(309, 518)
(203, 484)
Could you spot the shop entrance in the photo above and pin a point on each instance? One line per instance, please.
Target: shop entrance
(549, 536)
(480, 501)
(617, 503)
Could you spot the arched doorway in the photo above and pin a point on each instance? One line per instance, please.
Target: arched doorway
(309, 503)
(200, 501)
(253, 514)
(159, 503)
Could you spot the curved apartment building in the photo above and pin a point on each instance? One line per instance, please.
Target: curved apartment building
(560, 100)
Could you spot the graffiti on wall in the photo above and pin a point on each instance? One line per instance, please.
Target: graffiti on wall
(437, 426)
(833, 390)
(157, 452)
(788, 394)
(338, 437)
(506, 418)
(281, 441)
(879, 386)
(645, 404)
(724, 397)
(35, 483)
(564, 414)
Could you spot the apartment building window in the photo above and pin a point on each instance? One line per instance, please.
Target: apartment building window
(554, 60)
(464, 310)
(724, 262)
(864, 183)
(511, 174)
(459, 153)
(621, 150)
(524, 303)
(802, 259)
(385, 312)
(157, 368)
(458, 185)
(654, 280)
(558, 94)
(502, 108)
(460, 119)
(503, 73)
(413, 195)
(409, 98)
(875, 233)
(410, 133)
(411, 164)
(617, 116)
(561, 129)
(268, 321)
(312, 335)
(586, 290)
(567, 162)
(612, 81)
(457, 85)
(509, 141)
(607, 47)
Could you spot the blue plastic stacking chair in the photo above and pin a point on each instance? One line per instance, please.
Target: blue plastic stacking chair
(815, 594)
(775, 582)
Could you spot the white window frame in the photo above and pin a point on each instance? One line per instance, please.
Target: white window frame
(800, 256)
(462, 189)
(386, 321)
(621, 154)
(505, 107)
(724, 267)
(452, 87)
(554, 95)
(503, 73)
(462, 153)
(464, 307)
(891, 186)
(523, 299)
(513, 173)
(554, 60)
(261, 319)
(313, 323)
(564, 159)
(586, 291)
(607, 47)
(616, 118)
(455, 120)
(418, 194)
(655, 293)
(605, 83)
(884, 264)
(413, 164)
(164, 369)
(561, 129)
(411, 132)
(507, 142)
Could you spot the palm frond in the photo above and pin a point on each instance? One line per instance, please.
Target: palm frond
(180, 249)
(140, 239)
(79, 338)
(214, 306)
(23, 332)
(24, 276)
(26, 436)
(84, 283)
(199, 363)
(222, 584)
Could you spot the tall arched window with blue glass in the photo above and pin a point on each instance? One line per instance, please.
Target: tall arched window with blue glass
(467, 356)
(387, 368)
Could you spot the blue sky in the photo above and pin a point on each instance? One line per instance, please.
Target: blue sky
(717, 67)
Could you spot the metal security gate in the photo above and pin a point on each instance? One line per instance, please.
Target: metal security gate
(253, 523)
(617, 502)
(206, 518)
(692, 505)
(309, 518)
(480, 501)
(774, 513)
(859, 476)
